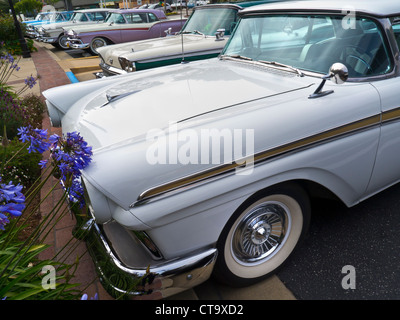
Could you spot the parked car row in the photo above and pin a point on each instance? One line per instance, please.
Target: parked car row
(210, 167)
(92, 28)
(203, 36)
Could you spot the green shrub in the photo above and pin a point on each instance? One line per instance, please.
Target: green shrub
(35, 108)
(10, 38)
(12, 114)
(22, 169)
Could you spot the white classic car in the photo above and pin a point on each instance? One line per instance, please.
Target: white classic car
(54, 33)
(210, 166)
(203, 36)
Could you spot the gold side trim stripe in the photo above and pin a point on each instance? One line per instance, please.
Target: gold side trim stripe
(391, 115)
(264, 156)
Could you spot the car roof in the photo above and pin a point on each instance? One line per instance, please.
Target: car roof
(383, 8)
(92, 10)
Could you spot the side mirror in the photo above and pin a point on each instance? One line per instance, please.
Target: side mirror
(168, 32)
(219, 35)
(338, 73)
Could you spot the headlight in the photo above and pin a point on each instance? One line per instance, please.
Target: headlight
(42, 31)
(128, 66)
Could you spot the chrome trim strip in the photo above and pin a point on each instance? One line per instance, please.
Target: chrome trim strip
(350, 128)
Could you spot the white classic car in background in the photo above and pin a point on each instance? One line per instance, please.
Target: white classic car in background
(54, 33)
(203, 36)
(210, 166)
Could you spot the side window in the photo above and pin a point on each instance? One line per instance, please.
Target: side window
(152, 17)
(98, 16)
(133, 18)
(102, 15)
(396, 30)
(84, 18)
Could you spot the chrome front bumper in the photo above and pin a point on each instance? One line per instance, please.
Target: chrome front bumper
(47, 39)
(77, 44)
(152, 279)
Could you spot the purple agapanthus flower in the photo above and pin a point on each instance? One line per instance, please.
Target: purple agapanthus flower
(12, 202)
(30, 82)
(36, 137)
(71, 154)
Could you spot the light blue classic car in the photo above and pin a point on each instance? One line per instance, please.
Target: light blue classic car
(46, 18)
(210, 167)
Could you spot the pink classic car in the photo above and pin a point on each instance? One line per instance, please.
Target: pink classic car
(122, 26)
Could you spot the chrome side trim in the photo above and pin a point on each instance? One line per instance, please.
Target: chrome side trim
(263, 156)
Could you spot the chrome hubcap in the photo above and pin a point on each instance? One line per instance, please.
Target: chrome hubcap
(98, 43)
(260, 233)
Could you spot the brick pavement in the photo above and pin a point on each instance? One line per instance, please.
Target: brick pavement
(50, 75)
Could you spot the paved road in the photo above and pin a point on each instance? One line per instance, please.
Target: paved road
(365, 237)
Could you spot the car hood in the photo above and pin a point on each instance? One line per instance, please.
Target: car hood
(148, 102)
(160, 48)
(171, 94)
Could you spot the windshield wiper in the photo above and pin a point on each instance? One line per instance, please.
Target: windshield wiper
(278, 64)
(194, 31)
(273, 63)
(236, 56)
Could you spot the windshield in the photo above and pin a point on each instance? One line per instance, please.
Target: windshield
(43, 17)
(312, 43)
(208, 21)
(115, 18)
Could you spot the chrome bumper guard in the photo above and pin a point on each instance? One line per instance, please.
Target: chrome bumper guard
(162, 280)
(109, 71)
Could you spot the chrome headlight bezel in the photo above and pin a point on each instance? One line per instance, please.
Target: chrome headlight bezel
(127, 65)
(71, 34)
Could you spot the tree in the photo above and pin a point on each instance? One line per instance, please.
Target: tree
(28, 6)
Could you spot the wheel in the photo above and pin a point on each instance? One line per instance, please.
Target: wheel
(62, 42)
(261, 235)
(97, 43)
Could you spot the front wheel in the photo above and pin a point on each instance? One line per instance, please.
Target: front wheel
(261, 235)
(62, 42)
(97, 43)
